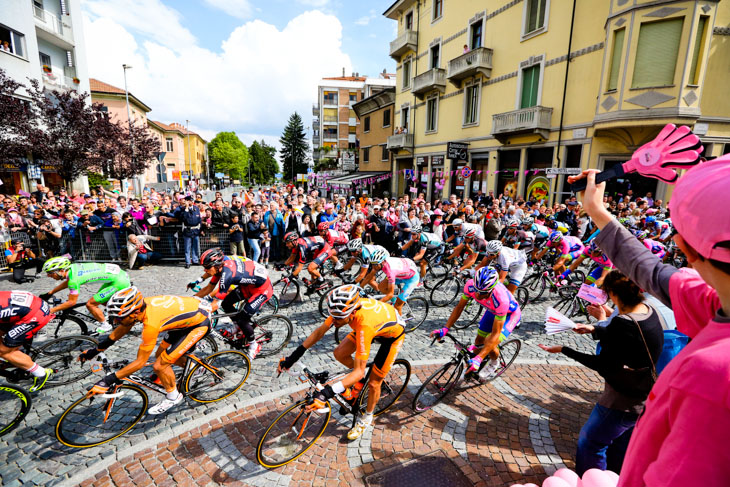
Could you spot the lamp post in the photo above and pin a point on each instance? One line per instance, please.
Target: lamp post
(190, 161)
(125, 67)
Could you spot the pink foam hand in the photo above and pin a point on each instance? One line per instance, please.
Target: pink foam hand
(674, 147)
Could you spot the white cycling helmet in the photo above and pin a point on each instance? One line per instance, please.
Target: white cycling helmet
(343, 300)
(494, 247)
(457, 222)
(470, 233)
(56, 264)
(354, 245)
(125, 302)
(378, 257)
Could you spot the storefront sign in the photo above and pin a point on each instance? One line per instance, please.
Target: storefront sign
(348, 161)
(539, 189)
(563, 170)
(437, 161)
(579, 133)
(422, 160)
(457, 150)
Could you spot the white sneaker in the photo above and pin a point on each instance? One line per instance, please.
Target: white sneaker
(360, 427)
(489, 370)
(339, 266)
(253, 350)
(165, 405)
(105, 327)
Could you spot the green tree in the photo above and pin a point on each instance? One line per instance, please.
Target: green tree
(294, 148)
(229, 155)
(263, 162)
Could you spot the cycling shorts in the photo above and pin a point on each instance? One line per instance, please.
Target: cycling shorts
(105, 292)
(571, 256)
(485, 324)
(387, 353)
(517, 273)
(183, 340)
(322, 255)
(20, 333)
(253, 297)
(407, 286)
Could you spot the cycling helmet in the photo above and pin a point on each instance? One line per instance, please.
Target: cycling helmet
(125, 302)
(470, 233)
(494, 247)
(550, 218)
(513, 224)
(593, 247)
(56, 264)
(212, 258)
(291, 237)
(416, 229)
(457, 222)
(623, 221)
(556, 237)
(324, 226)
(650, 219)
(343, 300)
(354, 245)
(528, 221)
(378, 257)
(486, 279)
(641, 234)
(661, 216)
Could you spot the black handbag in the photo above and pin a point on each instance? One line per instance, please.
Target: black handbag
(635, 383)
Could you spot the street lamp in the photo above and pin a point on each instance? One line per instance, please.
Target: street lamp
(190, 162)
(125, 67)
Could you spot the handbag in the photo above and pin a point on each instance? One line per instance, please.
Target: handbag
(634, 382)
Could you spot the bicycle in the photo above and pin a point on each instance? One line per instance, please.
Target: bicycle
(287, 288)
(542, 279)
(296, 430)
(447, 289)
(441, 382)
(15, 403)
(272, 332)
(101, 418)
(76, 323)
(571, 305)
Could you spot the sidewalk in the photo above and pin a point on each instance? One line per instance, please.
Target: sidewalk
(521, 427)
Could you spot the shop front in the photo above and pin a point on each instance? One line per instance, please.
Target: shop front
(537, 185)
(437, 181)
(404, 181)
(422, 166)
(458, 153)
(480, 165)
(508, 165)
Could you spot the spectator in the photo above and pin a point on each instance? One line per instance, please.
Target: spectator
(236, 236)
(253, 232)
(138, 249)
(19, 259)
(265, 247)
(189, 215)
(306, 226)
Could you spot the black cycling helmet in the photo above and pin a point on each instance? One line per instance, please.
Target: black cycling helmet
(291, 237)
(212, 258)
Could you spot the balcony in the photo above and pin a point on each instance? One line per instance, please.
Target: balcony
(315, 143)
(315, 123)
(330, 120)
(315, 109)
(469, 64)
(404, 43)
(433, 79)
(532, 120)
(398, 142)
(352, 138)
(60, 79)
(352, 121)
(53, 29)
(329, 102)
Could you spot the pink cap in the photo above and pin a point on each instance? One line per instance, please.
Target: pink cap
(700, 190)
(329, 206)
(438, 212)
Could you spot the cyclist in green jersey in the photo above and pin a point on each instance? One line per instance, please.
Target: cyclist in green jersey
(110, 276)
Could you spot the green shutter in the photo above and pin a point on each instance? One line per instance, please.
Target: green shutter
(618, 49)
(696, 64)
(656, 54)
(530, 82)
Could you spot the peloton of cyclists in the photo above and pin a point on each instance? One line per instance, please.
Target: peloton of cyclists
(398, 271)
(313, 251)
(422, 246)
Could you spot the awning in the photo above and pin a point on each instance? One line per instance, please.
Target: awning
(367, 175)
(342, 181)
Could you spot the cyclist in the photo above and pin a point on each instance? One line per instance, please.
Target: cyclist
(517, 238)
(196, 284)
(593, 252)
(541, 233)
(398, 271)
(555, 225)
(110, 276)
(501, 317)
(238, 281)
(357, 249)
(308, 249)
(422, 247)
(336, 240)
(370, 321)
(186, 321)
(460, 229)
(655, 247)
(508, 261)
(473, 246)
(22, 315)
(569, 247)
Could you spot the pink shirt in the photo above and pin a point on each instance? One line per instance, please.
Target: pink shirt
(682, 437)
(399, 268)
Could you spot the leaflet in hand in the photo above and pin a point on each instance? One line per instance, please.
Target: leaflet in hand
(555, 322)
(592, 294)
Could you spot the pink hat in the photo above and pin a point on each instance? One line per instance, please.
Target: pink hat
(329, 206)
(438, 212)
(699, 190)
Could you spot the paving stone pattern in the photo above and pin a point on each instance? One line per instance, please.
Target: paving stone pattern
(32, 455)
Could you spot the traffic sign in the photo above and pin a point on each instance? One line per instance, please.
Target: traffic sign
(563, 170)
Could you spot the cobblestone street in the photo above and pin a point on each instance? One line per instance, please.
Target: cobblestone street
(516, 428)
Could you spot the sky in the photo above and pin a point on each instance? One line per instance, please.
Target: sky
(234, 65)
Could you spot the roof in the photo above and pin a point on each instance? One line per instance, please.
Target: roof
(375, 102)
(174, 127)
(348, 78)
(396, 8)
(100, 87)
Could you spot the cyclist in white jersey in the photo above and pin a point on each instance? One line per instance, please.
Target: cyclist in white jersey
(356, 249)
(506, 261)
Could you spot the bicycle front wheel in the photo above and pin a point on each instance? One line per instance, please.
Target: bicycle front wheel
(445, 292)
(535, 285)
(286, 292)
(62, 355)
(97, 420)
(470, 315)
(391, 389)
(323, 303)
(415, 311)
(508, 352)
(438, 385)
(15, 403)
(65, 326)
(522, 296)
(230, 371)
(273, 332)
(291, 434)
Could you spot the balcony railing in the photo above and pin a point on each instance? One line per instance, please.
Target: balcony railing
(58, 81)
(400, 142)
(403, 43)
(526, 120)
(478, 60)
(330, 120)
(315, 109)
(433, 79)
(329, 102)
(50, 23)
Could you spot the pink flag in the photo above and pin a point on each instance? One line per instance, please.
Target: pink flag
(515, 175)
(527, 172)
(478, 173)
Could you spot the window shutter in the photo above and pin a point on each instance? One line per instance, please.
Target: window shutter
(530, 80)
(699, 40)
(656, 55)
(618, 48)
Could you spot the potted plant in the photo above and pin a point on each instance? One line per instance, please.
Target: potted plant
(76, 80)
(46, 68)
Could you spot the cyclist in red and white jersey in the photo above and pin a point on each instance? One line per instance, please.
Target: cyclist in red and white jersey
(335, 239)
(313, 251)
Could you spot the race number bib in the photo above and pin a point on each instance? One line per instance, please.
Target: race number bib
(21, 298)
(112, 268)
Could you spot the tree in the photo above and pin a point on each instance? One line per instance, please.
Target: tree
(263, 162)
(122, 151)
(18, 135)
(229, 155)
(294, 147)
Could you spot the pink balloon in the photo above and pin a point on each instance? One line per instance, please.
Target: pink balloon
(569, 476)
(613, 475)
(598, 478)
(555, 482)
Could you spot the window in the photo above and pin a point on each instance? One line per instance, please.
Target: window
(530, 86)
(366, 124)
(330, 133)
(384, 154)
(697, 52)
(366, 154)
(353, 97)
(386, 117)
(475, 38)
(409, 20)
(435, 54)
(535, 15)
(618, 48)
(170, 146)
(406, 74)
(45, 58)
(438, 9)
(471, 102)
(12, 42)
(352, 129)
(432, 114)
(656, 54)
(330, 98)
(404, 117)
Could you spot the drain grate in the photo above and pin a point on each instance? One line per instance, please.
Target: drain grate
(433, 469)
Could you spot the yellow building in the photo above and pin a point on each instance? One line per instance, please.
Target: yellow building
(492, 76)
(196, 152)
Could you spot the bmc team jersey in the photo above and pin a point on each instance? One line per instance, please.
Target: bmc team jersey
(367, 252)
(500, 304)
(21, 315)
(238, 273)
(569, 245)
(165, 313)
(309, 247)
(336, 238)
(398, 268)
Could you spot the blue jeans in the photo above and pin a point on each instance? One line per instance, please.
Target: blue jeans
(255, 249)
(603, 440)
(148, 257)
(192, 243)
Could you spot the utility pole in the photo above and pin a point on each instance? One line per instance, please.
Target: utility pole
(190, 161)
(125, 67)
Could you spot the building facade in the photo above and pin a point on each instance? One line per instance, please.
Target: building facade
(172, 143)
(375, 116)
(196, 153)
(42, 40)
(516, 87)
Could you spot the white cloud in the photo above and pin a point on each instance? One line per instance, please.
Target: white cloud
(251, 85)
(363, 20)
(241, 9)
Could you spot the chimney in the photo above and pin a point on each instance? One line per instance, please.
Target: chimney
(343, 72)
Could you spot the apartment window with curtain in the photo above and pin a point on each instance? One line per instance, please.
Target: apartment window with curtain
(471, 102)
(386, 117)
(698, 52)
(366, 154)
(535, 15)
(530, 86)
(170, 146)
(438, 9)
(406, 74)
(432, 114)
(366, 124)
(384, 154)
(12, 41)
(475, 37)
(618, 48)
(435, 55)
(656, 53)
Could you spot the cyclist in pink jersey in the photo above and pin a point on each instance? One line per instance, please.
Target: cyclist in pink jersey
(398, 272)
(569, 247)
(593, 252)
(655, 247)
(501, 317)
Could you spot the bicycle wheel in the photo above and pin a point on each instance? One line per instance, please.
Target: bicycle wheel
(98, 420)
(470, 315)
(508, 352)
(535, 286)
(565, 306)
(391, 389)
(323, 303)
(15, 403)
(65, 326)
(291, 434)
(349, 275)
(206, 345)
(286, 292)
(445, 292)
(415, 311)
(231, 371)
(522, 295)
(273, 332)
(438, 385)
(62, 355)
